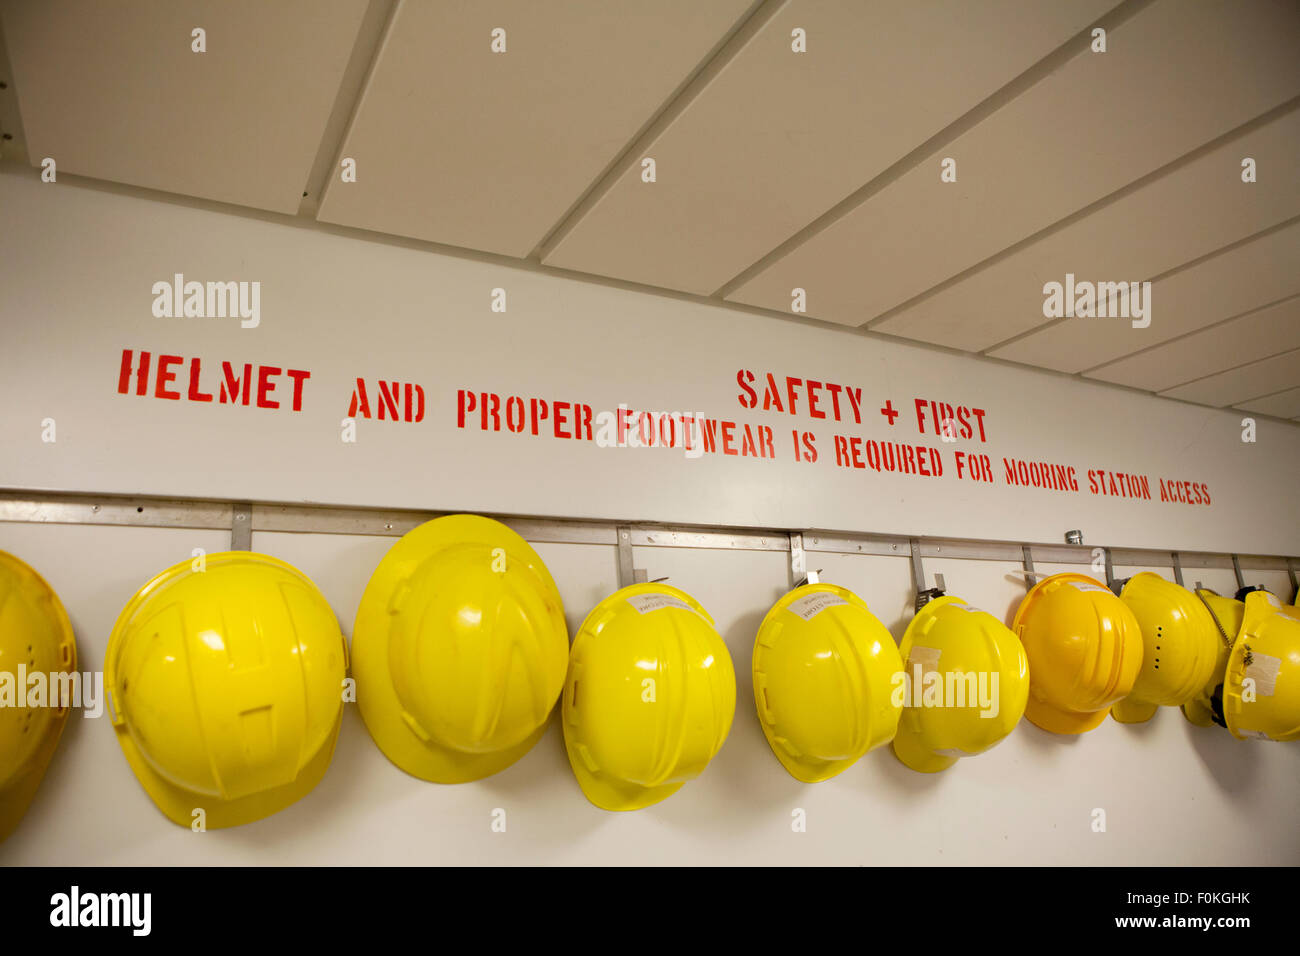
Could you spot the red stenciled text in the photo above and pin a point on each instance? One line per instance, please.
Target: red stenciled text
(174, 378)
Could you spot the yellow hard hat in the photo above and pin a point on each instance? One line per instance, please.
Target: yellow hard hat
(988, 671)
(649, 697)
(225, 680)
(1180, 645)
(1085, 651)
(1205, 709)
(1267, 653)
(459, 649)
(35, 638)
(824, 671)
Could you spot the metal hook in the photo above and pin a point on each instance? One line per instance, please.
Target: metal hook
(627, 573)
(241, 527)
(924, 595)
(799, 573)
(1027, 559)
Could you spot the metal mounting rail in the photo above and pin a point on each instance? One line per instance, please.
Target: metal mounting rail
(159, 512)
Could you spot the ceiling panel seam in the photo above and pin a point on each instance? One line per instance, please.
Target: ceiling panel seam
(1280, 391)
(1011, 90)
(1190, 335)
(1234, 368)
(1161, 277)
(1050, 323)
(729, 45)
(372, 37)
(1079, 215)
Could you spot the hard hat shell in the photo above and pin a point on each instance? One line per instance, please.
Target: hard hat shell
(649, 698)
(1267, 652)
(949, 636)
(1205, 709)
(225, 687)
(459, 649)
(1084, 648)
(824, 670)
(1180, 645)
(35, 633)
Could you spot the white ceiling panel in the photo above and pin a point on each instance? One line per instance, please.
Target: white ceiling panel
(1238, 280)
(111, 89)
(1246, 339)
(1283, 404)
(1201, 206)
(1242, 384)
(457, 144)
(778, 137)
(1174, 77)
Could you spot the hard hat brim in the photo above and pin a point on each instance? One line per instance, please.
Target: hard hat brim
(382, 712)
(805, 770)
(1197, 713)
(1130, 711)
(18, 795)
(608, 795)
(1054, 720)
(179, 804)
(909, 751)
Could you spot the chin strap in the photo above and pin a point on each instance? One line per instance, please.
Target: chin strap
(1223, 635)
(1216, 707)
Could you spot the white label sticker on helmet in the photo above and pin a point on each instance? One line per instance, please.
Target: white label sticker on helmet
(645, 603)
(920, 661)
(1255, 734)
(1080, 586)
(926, 658)
(1263, 669)
(951, 752)
(810, 605)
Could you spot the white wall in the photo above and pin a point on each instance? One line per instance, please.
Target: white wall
(1173, 793)
(77, 292)
(78, 266)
